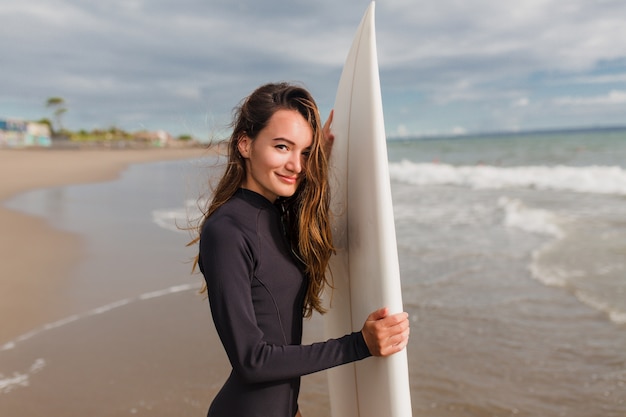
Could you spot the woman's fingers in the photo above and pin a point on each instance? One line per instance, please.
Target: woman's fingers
(381, 313)
(397, 343)
(329, 122)
(329, 137)
(386, 334)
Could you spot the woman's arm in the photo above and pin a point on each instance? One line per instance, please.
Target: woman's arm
(228, 265)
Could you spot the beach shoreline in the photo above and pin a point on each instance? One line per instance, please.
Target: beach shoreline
(35, 257)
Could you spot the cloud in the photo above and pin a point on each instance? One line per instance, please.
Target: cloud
(521, 102)
(176, 64)
(458, 130)
(612, 98)
(401, 131)
(476, 44)
(596, 79)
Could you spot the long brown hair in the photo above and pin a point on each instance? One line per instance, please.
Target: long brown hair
(307, 211)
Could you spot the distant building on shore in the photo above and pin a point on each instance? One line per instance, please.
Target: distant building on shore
(159, 138)
(15, 133)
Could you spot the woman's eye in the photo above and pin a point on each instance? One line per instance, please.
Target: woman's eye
(282, 147)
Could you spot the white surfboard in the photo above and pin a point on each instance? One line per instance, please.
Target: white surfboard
(365, 270)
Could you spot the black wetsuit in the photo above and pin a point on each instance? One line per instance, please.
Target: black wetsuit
(256, 292)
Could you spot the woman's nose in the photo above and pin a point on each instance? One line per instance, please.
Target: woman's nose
(294, 164)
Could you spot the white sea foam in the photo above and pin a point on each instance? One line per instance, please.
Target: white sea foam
(37, 366)
(590, 179)
(448, 215)
(177, 219)
(616, 316)
(532, 220)
(537, 221)
(170, 219)
(12, 344)
(8, 346)
(20, 379)
(552, 277)
(60, 323)
(109, 307)
(12, 382)
(171, 290)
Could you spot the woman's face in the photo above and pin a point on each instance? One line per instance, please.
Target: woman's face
(276, 158)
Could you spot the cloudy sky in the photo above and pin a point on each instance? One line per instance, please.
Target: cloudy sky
(446, 66)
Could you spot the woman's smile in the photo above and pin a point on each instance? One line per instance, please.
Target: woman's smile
(288, 178)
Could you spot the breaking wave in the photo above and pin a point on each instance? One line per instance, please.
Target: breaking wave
(590, 179)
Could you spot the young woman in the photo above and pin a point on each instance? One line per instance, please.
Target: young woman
(265, 242)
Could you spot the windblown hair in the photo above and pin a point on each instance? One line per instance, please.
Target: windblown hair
(307, 211)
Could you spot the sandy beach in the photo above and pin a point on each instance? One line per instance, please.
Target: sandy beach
(34, 257)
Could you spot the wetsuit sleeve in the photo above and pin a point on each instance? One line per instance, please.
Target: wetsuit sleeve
(228, 265)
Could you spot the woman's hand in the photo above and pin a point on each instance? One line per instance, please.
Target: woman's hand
(327, 134)
(386, 334)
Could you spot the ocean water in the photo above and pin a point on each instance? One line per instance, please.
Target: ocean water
(566, 190)
(513, 259)
(512, 251)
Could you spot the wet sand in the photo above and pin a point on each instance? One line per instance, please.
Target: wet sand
(151, 357)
